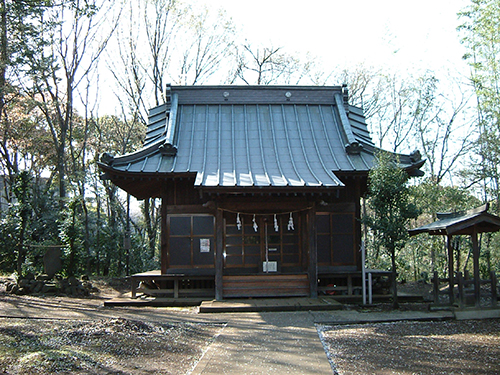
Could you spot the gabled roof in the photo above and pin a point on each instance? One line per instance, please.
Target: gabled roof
(254, 136)
(478, 219)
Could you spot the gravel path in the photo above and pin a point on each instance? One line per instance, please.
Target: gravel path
(449, 347)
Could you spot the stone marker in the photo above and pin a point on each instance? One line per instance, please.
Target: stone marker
(52, 261)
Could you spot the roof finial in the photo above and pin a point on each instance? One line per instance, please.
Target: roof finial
(168, 93)
(345, 95)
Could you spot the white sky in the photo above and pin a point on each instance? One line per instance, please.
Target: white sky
(401, 35)
(411, 35)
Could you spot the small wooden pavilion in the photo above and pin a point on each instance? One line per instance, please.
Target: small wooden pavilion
(260, 188)
(471, 223)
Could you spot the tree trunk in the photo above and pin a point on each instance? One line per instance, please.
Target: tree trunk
(98, 236)
(21, 253)
(72, 249)
(150, 226)
(395, 304)
(3, 52)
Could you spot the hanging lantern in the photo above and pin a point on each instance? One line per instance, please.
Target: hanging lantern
(290, 223)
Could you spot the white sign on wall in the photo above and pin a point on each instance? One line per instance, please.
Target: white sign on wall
(270, 266)
(204, 245)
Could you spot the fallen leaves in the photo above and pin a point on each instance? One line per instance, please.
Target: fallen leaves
(106, 346)
(450, 347)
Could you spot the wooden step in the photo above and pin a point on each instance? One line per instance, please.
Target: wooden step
(266, 285)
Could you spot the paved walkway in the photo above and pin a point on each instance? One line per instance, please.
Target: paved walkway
(267, 343)
(251, 343)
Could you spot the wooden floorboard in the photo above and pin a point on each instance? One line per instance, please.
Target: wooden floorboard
(270, 304)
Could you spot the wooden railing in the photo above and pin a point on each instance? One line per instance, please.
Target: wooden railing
(172, 285)
(464, 295)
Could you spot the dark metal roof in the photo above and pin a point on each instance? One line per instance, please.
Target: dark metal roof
(260, 136)
(477, 219)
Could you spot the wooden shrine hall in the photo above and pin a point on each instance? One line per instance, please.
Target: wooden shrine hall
(471, 223)
(260, 189)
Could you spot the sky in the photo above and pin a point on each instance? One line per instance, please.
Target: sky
(406, 36)
(402, 34)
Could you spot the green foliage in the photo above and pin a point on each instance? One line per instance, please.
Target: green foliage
(389, 202)
(8, 241)
(390, 208)
(431, 198)
(481, 37)
(22, 192)
(70, 233)
(29, 220)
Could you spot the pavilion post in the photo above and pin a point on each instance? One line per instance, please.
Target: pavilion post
(451, 278)
(461, 293)
(494, 295)
(435, 287)
(477, 280)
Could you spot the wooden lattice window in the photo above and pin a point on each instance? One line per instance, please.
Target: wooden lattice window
(191, 241)
(335, 234)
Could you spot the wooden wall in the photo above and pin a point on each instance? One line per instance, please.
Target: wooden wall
(334, 229)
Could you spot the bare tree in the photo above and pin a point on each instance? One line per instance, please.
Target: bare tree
(76, 47)
(268, 65)
(208, 42)
(160, 21)
(443, 134)
(366, 88)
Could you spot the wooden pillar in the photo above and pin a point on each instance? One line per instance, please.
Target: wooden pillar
(494, 295)
(313, 253)
(461, 295)
(357, 224)
(475, 254)
(219, 254)
(435, 288)
(451, 278)
(164, 237)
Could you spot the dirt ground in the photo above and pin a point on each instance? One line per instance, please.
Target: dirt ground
(450, 347)
(124, 346)
(104, 346)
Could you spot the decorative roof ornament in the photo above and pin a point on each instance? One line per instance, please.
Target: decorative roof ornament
(415, 156)
(345, 96)
(353, 148)
(107, 158)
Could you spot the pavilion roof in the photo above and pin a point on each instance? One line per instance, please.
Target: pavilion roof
(478, 219)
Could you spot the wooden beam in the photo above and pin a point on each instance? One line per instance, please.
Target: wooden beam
(313, 253)
(357, 224)
(164, 236)
(219, 254)
(190, 209)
